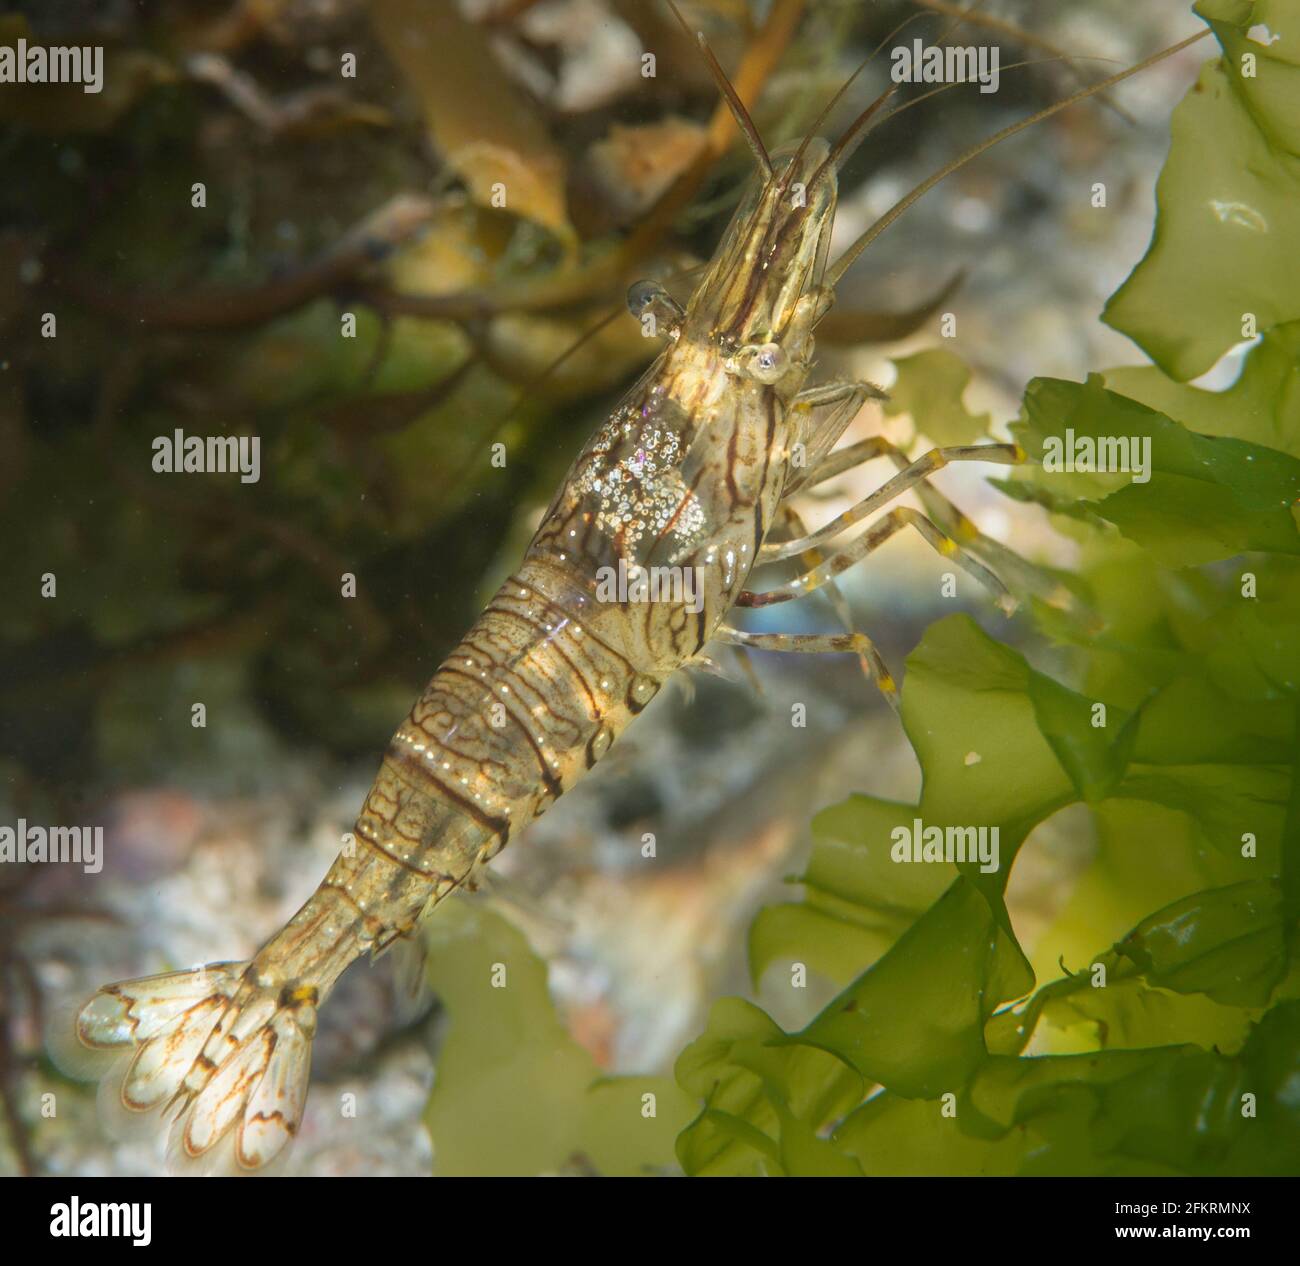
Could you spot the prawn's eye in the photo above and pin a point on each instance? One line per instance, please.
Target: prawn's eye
(649, 298)
(768, 362)
(640, 295)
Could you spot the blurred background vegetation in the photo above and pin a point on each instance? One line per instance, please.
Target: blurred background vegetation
(327, 192)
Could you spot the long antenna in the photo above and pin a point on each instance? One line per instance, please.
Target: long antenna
(846, 260)
(1070, 58)
(1027, 38)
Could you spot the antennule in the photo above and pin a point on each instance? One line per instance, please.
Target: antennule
(856, 132)
(844, 87)
(737, 106)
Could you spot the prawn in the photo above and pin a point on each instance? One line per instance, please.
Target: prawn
(685, 479)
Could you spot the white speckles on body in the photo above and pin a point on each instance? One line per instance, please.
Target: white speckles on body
(644, 491)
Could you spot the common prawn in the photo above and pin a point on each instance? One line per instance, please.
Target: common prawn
(688, 476)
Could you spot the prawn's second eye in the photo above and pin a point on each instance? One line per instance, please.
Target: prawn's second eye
(767, 362)
(649, 298)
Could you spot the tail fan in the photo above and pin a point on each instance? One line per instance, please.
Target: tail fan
(221, 1055)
